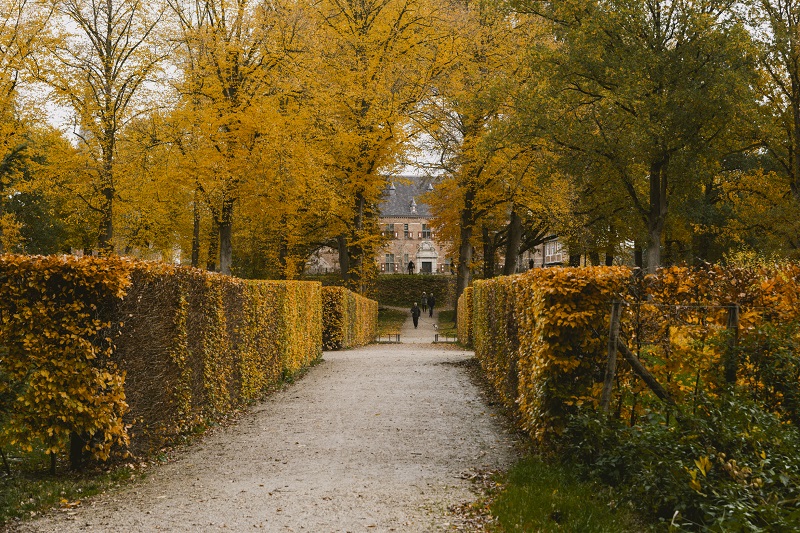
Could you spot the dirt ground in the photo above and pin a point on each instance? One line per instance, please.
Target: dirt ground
(381, 438)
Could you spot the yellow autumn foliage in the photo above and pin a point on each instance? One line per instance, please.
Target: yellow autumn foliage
(465, 317)
(348, 319)
(542, 336)
(135, 353)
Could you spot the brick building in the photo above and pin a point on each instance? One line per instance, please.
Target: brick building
(404, 221)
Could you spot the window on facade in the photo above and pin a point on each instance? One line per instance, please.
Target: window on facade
(426, 231)
(389, 263)
(388, 230)
(406, 234)
(405, 259)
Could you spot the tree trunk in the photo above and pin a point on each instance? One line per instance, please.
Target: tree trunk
(195, 233)
(488, 254)
(225, 236)
(355, 247)
(105, 244)
(344, 259)
(213, 246)
(658, 212)
(574, 260)
(794, 140)
(463, 273)
(638, 256)
(594, 258)
(513, 242)
(106, 230)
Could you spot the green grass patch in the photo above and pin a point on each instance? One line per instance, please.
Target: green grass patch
(447, 325)
(543, 496)
(31, 489)
(391, 320)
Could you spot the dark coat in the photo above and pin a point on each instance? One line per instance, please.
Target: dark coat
(415, 311)
(431, 300)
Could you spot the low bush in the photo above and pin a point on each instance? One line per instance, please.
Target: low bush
(730, 467)
(349, 320)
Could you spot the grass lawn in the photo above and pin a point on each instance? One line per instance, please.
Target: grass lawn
(540, 495)
(31, 489)
(446, 324)
(391, 320)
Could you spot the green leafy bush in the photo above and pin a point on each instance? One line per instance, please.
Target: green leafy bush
(731, 466)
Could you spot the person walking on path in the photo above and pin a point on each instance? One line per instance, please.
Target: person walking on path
(415, 312)
(424, 301)
(431, 303)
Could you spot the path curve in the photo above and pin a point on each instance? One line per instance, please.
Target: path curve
(379, 438)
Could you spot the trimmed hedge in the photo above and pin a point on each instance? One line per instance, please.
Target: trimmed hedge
(533, 334)
(348, 319)
(542, 338)
(402, 290)
(180, 346)
(465, 317)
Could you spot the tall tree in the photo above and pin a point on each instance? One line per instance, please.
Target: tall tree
(644, 84)
(469, 116)
(376, 60)
(98, 62)
(22, 23)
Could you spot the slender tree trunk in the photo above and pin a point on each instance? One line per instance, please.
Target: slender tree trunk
(225, 237)
(794, 140)
(195, 232)
(658, 212)
(513, 243)
(105, 243)
(488, 254)
(463, 273)
(344, 258)
(213, 246)
(355, 247)
(283, 251)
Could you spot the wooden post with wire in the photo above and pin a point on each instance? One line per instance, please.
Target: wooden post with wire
(611, 366)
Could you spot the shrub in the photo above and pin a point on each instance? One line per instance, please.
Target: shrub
(349, 320)
(465, 317)
(57, 357)
(730, 467)
(403, 290)
(158, 348)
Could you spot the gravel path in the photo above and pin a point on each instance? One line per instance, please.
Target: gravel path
(381, 438)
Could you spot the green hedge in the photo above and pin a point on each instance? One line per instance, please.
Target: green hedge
(403, 290)
(349, 320)
(186, 346)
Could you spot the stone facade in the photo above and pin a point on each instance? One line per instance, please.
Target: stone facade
(405, 223)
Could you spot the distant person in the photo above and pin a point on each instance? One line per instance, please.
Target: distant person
(415, 312)
(530, 264)
(431, 303)
(411, 267)
(424, 301)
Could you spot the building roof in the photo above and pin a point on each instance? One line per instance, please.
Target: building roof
(403, 197)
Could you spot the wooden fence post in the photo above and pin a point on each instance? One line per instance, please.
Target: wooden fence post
(732, 358)
(611, 366)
